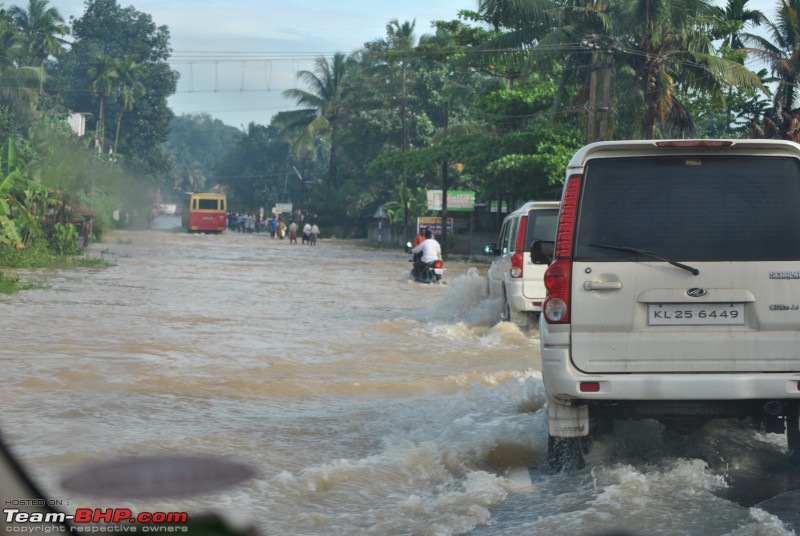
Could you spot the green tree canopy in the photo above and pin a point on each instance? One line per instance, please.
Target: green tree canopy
(106, 30)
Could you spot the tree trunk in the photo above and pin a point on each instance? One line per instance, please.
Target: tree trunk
(116, 134)
(99, 133)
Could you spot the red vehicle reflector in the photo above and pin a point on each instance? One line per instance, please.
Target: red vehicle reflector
(590, 387)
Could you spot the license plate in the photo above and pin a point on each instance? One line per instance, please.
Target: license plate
(438, 271)
(695, 314)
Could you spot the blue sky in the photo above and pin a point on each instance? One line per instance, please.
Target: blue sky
(236, 57)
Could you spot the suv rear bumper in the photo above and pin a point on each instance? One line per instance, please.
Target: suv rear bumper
(671, 397)
(518, 302)
(563, 383)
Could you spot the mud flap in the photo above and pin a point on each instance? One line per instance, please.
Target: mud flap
(567, 421)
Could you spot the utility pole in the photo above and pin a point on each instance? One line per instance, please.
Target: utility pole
(590, 117)
(602, 60)
(445, 184)
(605, 105)
(404, 121)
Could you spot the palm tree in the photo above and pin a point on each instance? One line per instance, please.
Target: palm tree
(323, 106)
(102, 74)
(42, 28)
(17, 84)
(670, 50)
(186, 173)
(571, 35)
(732, 19)
(128, 86)
(521, 26)
(396, 50)
(781, 51)
(659, 47)
(728, 24)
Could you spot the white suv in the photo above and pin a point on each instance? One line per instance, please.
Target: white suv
(674, 290)
(512, 276)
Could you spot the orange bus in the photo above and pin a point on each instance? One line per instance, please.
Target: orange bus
(204, 212)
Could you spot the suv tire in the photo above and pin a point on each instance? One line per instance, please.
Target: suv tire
(519, 319)
(565, 454)
(793, 437)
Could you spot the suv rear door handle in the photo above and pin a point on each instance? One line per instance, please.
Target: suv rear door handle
(602, 285)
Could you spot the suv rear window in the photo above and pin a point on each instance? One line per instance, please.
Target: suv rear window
(541, 225)
(704, 208)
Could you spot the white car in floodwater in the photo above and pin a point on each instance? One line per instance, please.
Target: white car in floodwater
(513, 277)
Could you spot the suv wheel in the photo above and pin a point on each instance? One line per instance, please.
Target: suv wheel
(508, 315)
(565, 454)
(793, 437)
(505, 315)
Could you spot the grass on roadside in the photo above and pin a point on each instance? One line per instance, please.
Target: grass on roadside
(38, 255)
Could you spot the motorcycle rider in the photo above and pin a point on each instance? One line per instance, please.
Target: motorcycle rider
(430, 251)
(417, 241)
(420, 236)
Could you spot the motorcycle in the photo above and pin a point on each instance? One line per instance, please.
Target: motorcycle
(430, 272)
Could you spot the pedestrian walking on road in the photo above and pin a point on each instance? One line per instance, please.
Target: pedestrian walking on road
(312, 236)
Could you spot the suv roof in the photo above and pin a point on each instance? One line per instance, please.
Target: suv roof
(535, 204)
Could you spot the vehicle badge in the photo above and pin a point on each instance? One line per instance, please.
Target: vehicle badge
(696, 292)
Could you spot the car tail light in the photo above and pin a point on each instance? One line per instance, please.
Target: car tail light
(558, 276)
(516, 265)
(519, 249)
(590, 387)
(557, 280)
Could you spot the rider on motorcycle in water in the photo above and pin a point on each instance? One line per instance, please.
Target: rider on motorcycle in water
(430, 251)
(417, 241)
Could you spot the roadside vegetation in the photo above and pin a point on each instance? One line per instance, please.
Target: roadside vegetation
(494, 101)
(61, 189)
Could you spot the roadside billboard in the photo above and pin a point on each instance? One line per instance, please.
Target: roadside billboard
(281, 207)
(457, 200)
(434, 223)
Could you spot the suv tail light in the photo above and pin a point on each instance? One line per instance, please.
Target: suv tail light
(558, 277)
(519, 249)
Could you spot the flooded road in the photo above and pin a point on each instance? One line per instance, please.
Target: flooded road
(365, 403)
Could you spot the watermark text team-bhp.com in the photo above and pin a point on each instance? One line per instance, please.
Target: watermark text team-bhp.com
(90, 520)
